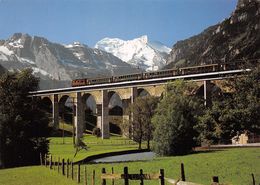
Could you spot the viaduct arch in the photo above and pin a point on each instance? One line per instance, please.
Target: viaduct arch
(102, 98)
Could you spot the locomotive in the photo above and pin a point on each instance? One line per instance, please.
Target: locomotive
(155, 74)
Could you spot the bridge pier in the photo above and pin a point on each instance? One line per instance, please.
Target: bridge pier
(78, 116)
(55, 111)
(134, 95)
(102, 115)
(126, 131)
(105, 122)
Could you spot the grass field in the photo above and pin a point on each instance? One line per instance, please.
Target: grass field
(33, 175)
(233, 166)
(95, 146)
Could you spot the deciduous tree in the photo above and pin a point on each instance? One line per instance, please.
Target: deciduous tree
(142, 111)
(235, 113)
(23, 126)
(175, 119)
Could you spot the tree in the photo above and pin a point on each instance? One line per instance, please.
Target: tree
(175, 119)
(142, 111)
(235, 113)
(23, 126)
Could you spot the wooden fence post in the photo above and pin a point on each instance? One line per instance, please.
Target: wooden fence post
(103, 180)
(59, 165)
(93, 178)
(253, 178)
(126, 177)
(72, 170)
(162, 177)
(182, 172)
(85, 175)
(113, 181)
(215, 179)
(78, 177)
(67, 165)
(62, 166)
(141, 177)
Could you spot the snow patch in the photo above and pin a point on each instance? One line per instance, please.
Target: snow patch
(68, 46)
(24, 60)
(41, 71)
(75, 44)
(6, 51)
(159, 47)
(16, 44)
(78, 55)
(3, 57)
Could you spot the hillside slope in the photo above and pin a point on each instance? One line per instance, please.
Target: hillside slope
(237, 37)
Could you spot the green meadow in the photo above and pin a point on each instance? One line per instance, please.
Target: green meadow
(233, 166)
(32, 175)
(94, 146)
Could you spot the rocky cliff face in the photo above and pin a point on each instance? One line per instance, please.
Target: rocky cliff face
(57, 64)
(2, 70)
(237, 37)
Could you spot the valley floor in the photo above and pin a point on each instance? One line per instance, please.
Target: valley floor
(233, 166)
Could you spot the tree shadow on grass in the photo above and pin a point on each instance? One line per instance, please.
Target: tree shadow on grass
(206, 151)
(194, 152)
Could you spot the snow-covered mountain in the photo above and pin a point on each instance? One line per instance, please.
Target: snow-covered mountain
(58, 64)
(139, 52)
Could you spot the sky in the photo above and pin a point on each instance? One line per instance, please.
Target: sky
(88, 21)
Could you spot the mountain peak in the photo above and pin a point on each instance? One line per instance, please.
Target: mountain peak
(17, 36)
(55, 64)
(143, 39)
(139, 52)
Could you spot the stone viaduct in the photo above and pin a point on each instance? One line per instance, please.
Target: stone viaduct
(127, 91)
